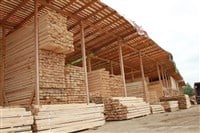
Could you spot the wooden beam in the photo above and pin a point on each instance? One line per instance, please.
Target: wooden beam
(84, 62)
(22, 3)
(111, 68)
(36, 27)
(122, 67)
(5, 100)
(159, 76)
(89, 63)
(146, 95)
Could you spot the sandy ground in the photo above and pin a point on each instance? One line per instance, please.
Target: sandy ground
(182, 121)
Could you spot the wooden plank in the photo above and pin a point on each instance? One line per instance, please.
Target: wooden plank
(84, 61)
(122, 67)
(36, 31)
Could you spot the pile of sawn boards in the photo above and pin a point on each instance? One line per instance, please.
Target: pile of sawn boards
(157, 108)
(68, 117)
(15, 119)
(122, 108)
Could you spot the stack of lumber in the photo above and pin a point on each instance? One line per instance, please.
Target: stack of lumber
(122, 108)
(53, 96)
(53, 33)
(15, 119)
(153, 97)
(184, 102)
(135, 89)
(98, 83)
(75, 85)
(51, 69)
(20, 66)
(170, 106)
(68, 117)
(155, 91)
(157, 108)
(116, 86)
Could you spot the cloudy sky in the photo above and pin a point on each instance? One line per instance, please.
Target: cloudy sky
(173, 24)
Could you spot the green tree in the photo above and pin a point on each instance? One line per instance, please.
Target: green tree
(188, 90)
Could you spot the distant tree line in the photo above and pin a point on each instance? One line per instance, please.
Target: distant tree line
(188, 90)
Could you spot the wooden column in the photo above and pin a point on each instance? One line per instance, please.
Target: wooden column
(36, 27)
(146, 96)
(122, 67)
(163, 78)
(84, 61)
(89, 63)
(2, 89)
(159, 76)
(132, 75)
(111, 68)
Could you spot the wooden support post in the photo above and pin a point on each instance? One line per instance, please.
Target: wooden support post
(163, 80)
(36, 27)
(146, 95)
(122, 67)
(111, 68)
(167, 83)
(89, 63)
(132, 75)
(84, 61)
(159, 76)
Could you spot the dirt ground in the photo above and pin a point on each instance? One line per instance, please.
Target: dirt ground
(182, 121)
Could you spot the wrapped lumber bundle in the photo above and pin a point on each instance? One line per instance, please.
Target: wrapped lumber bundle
(122, 108)
(170, 106)
(135, 89)
(51, 69)
(184, 102)
(53, 34)
(98, 83)
(157, 108)
(68, 117)
(75, 85)
(116, 86)
(15, 119)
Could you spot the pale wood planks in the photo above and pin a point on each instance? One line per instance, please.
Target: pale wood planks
(122, 108)
(15, 119)
(68, 117)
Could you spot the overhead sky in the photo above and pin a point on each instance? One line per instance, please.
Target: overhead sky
(172, 24)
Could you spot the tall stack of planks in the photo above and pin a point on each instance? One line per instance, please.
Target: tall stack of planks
(122, 108)
(116, 86)
(54, 42)
(20, 66)
(184, 102)
(53, 33)
(15, 119)
(155, 91)
(75, 85)
(68, 117)
(98, 83)
(135, 89)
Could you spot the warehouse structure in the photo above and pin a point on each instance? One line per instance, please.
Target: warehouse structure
(78, 51)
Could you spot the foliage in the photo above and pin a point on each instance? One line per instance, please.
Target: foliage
(188, 90)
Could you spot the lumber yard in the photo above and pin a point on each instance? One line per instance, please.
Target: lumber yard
(72, 65)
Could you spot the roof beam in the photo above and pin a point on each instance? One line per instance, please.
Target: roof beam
(22, 3)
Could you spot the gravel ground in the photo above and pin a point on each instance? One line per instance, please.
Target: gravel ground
(182, 121)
